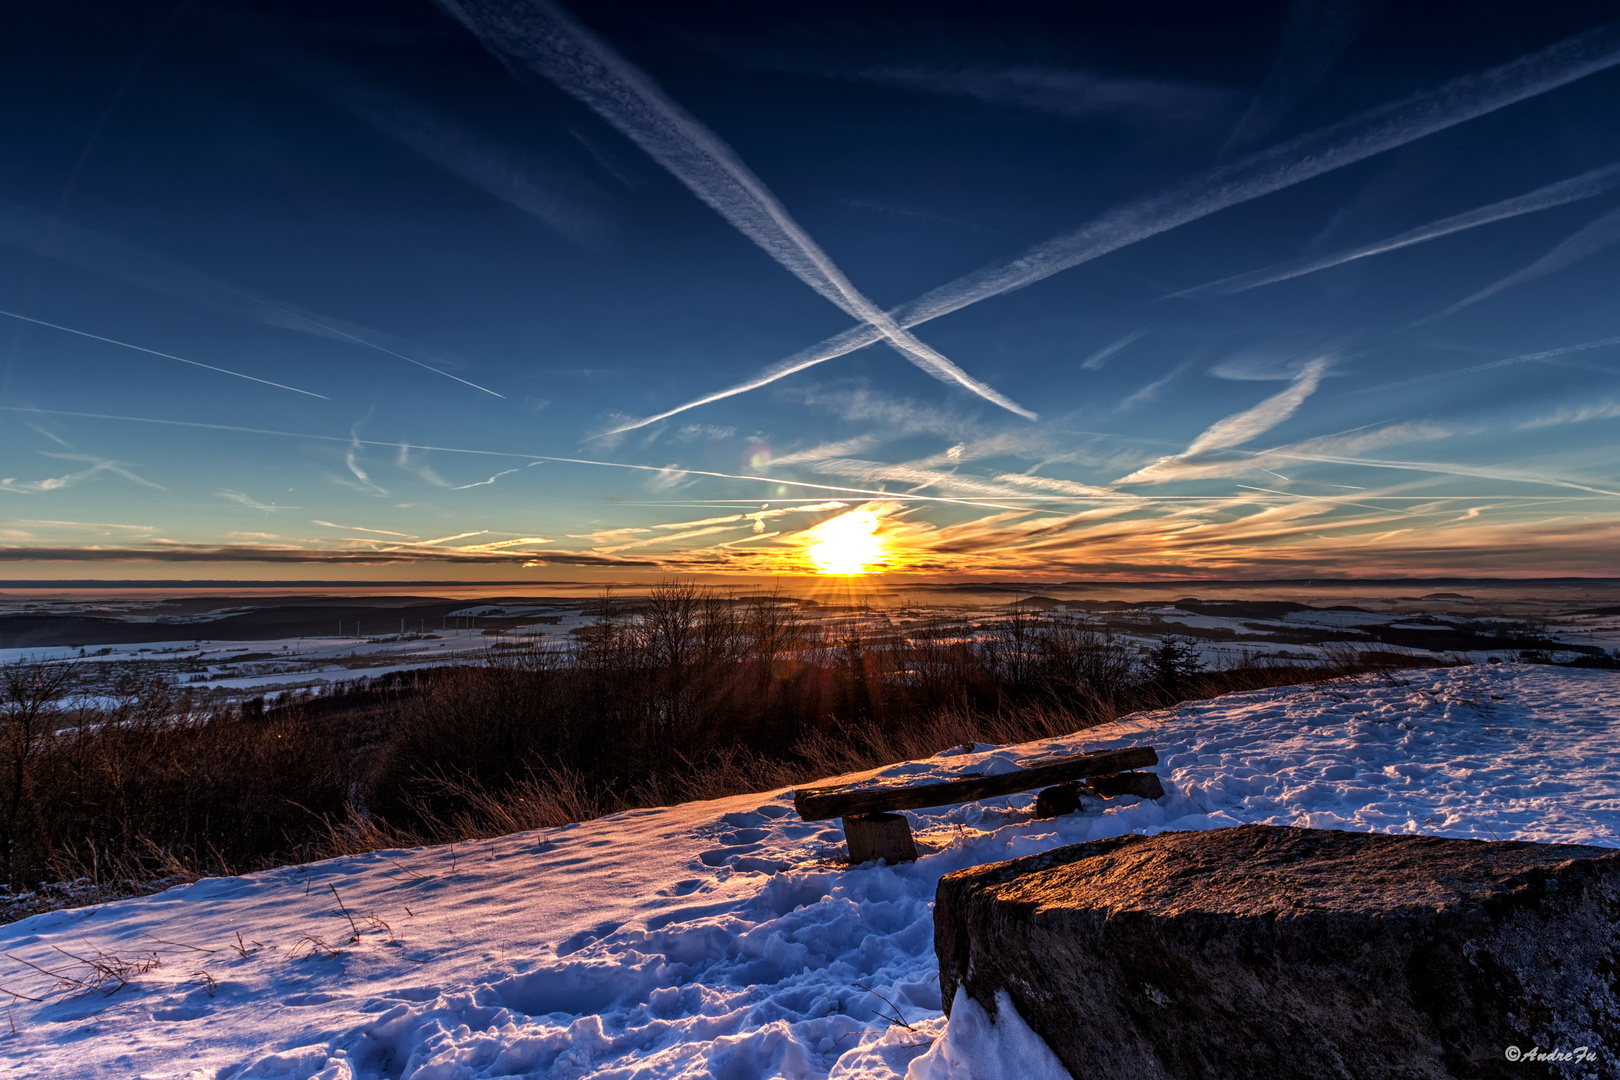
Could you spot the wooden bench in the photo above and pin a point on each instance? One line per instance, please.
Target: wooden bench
(875, 829)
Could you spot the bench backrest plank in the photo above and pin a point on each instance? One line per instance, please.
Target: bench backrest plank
(842, 800)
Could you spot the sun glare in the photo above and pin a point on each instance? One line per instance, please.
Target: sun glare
(847, 544)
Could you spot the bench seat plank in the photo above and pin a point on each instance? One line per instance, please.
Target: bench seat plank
(843, 800)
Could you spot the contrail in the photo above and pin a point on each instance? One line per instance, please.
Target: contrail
(78, 246)
(1545, 354)
(166, 356)
(1104, 354)
(901, 496)
(1315, 35)
(1449, 469)
(1593, 238)
(531, 458)
(346, 336)
(547, 40)
(1584, 186)
(1242, 180)
(557, 197)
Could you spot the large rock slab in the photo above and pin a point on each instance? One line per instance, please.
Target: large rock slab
(1266, 952)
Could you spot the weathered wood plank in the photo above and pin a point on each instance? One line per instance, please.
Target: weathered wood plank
(843, 800)
(1144, 785)
(1065, 798)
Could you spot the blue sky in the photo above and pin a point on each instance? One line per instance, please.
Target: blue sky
(477, 290)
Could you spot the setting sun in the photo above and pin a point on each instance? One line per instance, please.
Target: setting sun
(845, 545)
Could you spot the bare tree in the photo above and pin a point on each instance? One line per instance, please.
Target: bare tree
(29, 691)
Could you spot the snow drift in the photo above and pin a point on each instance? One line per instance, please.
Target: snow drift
(725, 938)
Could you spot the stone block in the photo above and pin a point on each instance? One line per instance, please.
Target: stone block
(1264, 952)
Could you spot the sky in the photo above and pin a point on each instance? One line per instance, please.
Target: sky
(503, 290)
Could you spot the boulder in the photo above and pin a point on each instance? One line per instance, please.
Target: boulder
(1264, 952)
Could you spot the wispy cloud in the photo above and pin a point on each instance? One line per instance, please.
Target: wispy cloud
(860, 444)
(612, 540)
(1584, 186)
(1238, 428)
(359, 528)
(1053, 485)
(96, 465)
(453, 536)
(1340, 448)
(1593, 238)
(1241, 180)
(502, 545)
(1278, 361)
(351, 458)
(893, 416)
(491, 480)
(1579, 414)
(1003, 486)
(251, 503)
(166, 356)
(1252, 423)
(546, 39)
(710, 432)
(424, 471)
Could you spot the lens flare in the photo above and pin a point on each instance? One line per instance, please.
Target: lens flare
(846, 545)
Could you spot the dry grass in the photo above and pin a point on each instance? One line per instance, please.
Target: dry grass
(93, 969)
(697, 698)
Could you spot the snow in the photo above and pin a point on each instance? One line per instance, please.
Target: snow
(723, 938)
(977, 1046)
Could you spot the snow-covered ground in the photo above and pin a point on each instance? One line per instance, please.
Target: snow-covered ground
(1222, 631)
(723, 939)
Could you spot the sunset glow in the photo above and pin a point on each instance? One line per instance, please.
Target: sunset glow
(846, 545)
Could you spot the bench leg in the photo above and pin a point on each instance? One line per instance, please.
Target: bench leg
(1063, 799)
(879, 836)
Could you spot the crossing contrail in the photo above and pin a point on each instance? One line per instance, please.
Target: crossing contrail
(1241, 180)
(546, 39)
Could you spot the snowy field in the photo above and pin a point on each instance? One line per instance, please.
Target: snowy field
(198, 651)
(722, 939)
